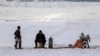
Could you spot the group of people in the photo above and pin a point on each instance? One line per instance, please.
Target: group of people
(82, 42)
(40, 37)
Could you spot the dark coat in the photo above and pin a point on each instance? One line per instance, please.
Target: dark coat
(17, 34)
(40, 37)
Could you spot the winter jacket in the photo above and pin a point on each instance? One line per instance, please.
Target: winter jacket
(40, 37)
(17, 34)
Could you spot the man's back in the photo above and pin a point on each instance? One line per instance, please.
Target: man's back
(17, 34)
(40, 37)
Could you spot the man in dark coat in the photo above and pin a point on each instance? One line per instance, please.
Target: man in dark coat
(17, 37)
(40, 37)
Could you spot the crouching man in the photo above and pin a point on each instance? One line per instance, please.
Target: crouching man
(17, 37)
(40, 39)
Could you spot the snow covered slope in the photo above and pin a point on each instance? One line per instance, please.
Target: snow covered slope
(71, 10)
(63, 23)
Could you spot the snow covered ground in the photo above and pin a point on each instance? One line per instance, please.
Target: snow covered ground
(63, 24)
(50, 52)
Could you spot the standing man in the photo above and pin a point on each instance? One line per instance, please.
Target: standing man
(40, 37)
(18, 40)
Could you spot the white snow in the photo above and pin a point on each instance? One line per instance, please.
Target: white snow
(63, 23)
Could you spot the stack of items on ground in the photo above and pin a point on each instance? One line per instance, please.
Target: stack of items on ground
(82, 42)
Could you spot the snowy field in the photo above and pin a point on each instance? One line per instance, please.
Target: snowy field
(63, 23)
(50, 52)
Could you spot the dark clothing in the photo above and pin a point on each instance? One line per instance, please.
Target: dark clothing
(17, 41)
(17, 38)
(40, 38)
(17, 34)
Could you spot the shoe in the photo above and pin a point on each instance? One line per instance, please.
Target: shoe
(15, 47)
(35, 47)
(20, 48)
(44, 47)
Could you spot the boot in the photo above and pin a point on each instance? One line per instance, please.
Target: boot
(20, 45)
(16, 45)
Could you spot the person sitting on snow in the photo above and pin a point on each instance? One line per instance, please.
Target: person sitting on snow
(40, 37)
